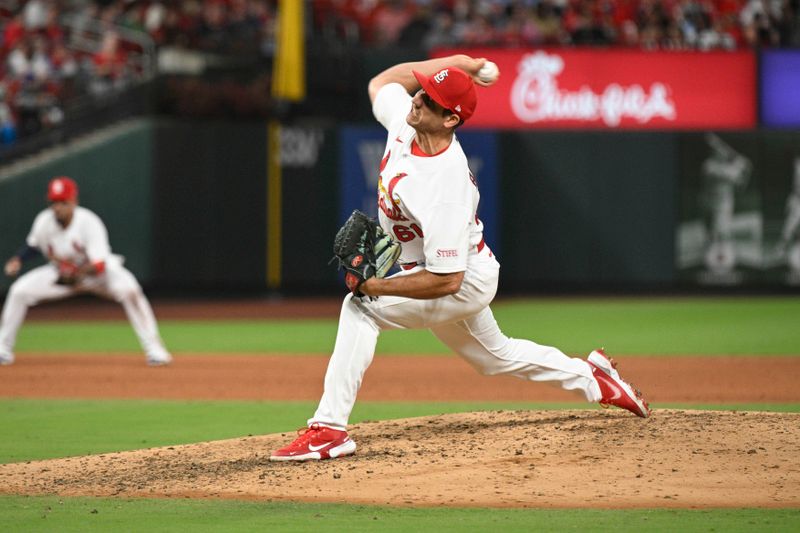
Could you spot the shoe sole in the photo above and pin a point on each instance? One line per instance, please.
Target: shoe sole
(605, 364)
(159, 362)
(346, 448)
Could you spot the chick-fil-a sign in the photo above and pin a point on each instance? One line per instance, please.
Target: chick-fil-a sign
(617, 89)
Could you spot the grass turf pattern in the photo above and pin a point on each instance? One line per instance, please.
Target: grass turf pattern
(48, 513)
(660, 326)
(41, 429)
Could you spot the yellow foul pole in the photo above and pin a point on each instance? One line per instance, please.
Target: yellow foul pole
(288, 85)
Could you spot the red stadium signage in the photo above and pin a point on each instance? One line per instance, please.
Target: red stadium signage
(596, 89)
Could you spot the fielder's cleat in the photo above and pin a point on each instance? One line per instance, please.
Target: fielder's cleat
(314, 443)
(6, 357)
(162, 359)
(615, 391)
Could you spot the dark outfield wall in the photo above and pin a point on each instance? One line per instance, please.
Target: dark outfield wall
(187, 204)
(575, 210)
(587, 208)
(209, 199)
(210, 205)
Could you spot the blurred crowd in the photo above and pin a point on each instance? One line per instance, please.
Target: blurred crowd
(644, 24)
(52, 50)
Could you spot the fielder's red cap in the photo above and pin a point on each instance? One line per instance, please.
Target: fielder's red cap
(451, 88)
(62, 189)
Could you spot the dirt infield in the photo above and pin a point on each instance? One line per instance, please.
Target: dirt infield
(689, 459)
(390, 378)
(576, 458)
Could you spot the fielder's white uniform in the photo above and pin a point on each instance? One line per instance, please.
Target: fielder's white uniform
(430, 203)
(85, 240)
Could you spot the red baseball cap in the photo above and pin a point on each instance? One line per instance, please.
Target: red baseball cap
(451, 88)
(62, 189)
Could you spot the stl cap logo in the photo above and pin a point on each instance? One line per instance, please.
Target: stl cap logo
(58, 187)
(458, 108)
(440, 76)
(357, 260)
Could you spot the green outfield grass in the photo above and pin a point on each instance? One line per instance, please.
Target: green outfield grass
(659, 326)
(104, 514)
(40, 429)
(43, 429)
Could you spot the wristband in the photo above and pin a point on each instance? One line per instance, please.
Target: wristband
(28, 252)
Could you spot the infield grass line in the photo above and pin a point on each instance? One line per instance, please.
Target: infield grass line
(36, 429)
(624, 326)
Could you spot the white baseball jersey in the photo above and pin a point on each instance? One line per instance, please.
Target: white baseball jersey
(429, 203)
(84, 240)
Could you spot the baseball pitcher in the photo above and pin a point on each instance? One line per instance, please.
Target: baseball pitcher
(75, 242)
(428, 203)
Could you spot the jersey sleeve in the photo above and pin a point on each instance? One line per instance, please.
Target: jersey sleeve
(36, 236)
(391, 105)
(96, 235)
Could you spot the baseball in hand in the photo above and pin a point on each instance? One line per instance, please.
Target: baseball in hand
(488, 72)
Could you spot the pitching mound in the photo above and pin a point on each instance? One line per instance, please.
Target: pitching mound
(582, 458)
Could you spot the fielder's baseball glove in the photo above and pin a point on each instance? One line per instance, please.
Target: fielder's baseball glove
(364, 250)
(67, 273)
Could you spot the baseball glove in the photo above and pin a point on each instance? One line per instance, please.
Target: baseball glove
(67, 273)
(364, 250)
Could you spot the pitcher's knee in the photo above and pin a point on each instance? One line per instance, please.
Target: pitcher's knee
(501, 362)
(21, 294)
(130, 295)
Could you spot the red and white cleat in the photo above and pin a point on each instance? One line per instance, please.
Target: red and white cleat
(314, 443)
(615, 391)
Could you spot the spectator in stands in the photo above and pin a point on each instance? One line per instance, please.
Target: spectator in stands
(213, 32)
(154, 20)
(417, 28)
(110, 66)
(27, 62)
(648, 24)
(789, 24)
(548, 20)
(52, 29)
(38, 61)
(442, 32)
(588, 25)
(479, 32)
(388, 20)
(13, 32)
(35, 15)
(8, 127)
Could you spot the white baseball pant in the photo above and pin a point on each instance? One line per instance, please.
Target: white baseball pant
(116, 283)
(462, 321)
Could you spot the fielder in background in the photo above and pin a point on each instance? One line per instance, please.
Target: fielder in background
(75, 242)
(428, 200)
